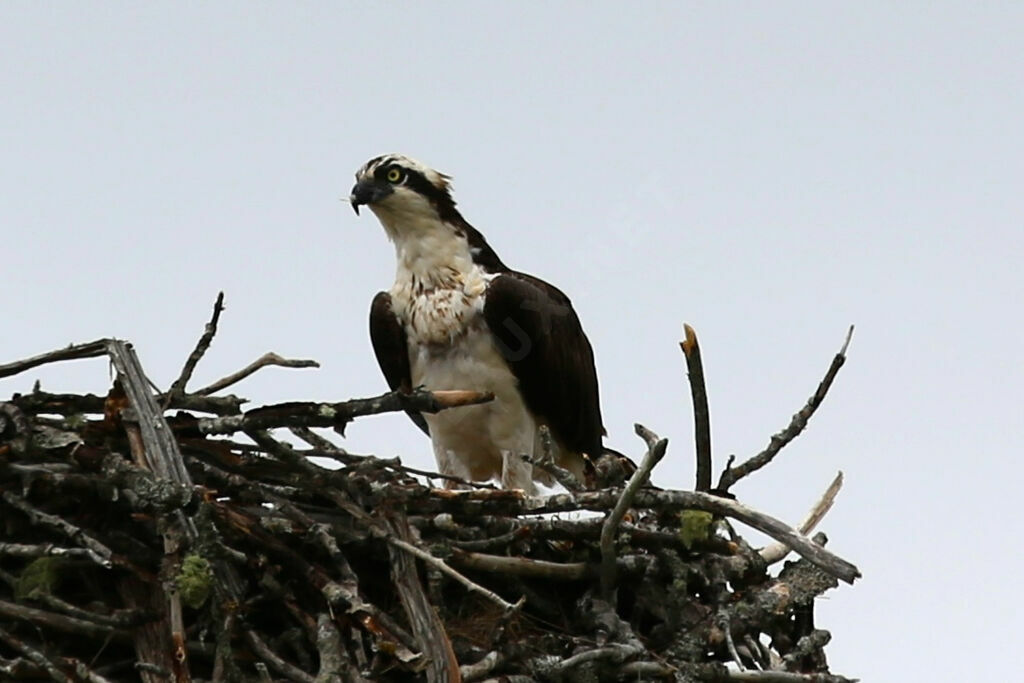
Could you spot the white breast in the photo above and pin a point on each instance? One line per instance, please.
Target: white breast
(451, 347)
(477, 442)
(437, 317)
(439, 296)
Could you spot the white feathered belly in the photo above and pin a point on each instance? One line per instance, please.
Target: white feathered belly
(484, 441)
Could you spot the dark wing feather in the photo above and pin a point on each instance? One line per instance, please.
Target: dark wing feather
(538, 333)
(390, 346)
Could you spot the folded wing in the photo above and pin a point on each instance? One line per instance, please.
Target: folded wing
(541, 339)
(391, 348)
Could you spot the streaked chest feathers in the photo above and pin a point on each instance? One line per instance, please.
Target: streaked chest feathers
(438, 309)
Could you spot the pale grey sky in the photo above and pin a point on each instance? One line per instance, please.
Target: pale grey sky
(768, 173)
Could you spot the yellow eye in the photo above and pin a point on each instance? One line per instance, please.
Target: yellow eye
(394, 175)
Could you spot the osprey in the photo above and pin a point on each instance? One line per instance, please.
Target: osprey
(458, 318)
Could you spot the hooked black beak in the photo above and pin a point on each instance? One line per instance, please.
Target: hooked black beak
(368, 191)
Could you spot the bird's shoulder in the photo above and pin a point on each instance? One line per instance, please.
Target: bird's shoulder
(513, 283)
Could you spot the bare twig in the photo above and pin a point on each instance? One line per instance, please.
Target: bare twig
(521, 566)
(481, 668)
(465, 483)
(615, 652)
(733, 474)
(74, 404)
(318, 442)
(339, 414)
(178, 387)
(48, 550)
(86, 674)
(758, 651)
(269, 358)
(37, 657)
(776, 552)
(723, 623)
(59, 622)
(275, 661)
(91, 349)
(443, 566)
(96, 551)
(701, 415)
(655, 452)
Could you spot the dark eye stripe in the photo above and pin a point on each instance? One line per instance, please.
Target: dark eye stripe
(383, 172)
(418, 183)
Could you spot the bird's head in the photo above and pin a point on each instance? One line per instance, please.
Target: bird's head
(414, 204)
(400, 190)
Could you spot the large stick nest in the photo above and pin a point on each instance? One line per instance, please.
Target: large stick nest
(150, 536)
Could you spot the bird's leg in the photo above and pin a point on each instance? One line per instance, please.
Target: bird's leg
(448, 465)
(516, 473)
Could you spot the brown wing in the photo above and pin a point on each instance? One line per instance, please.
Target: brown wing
(391, 347)
(542, 341)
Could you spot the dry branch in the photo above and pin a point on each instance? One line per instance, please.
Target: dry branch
(92, 349)
(655, 452)
(177, 389)
(441, 566)
(339, 414)
(268, 359)
(701, 414)
(796, 425)
(521, 566)
(777, 551)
